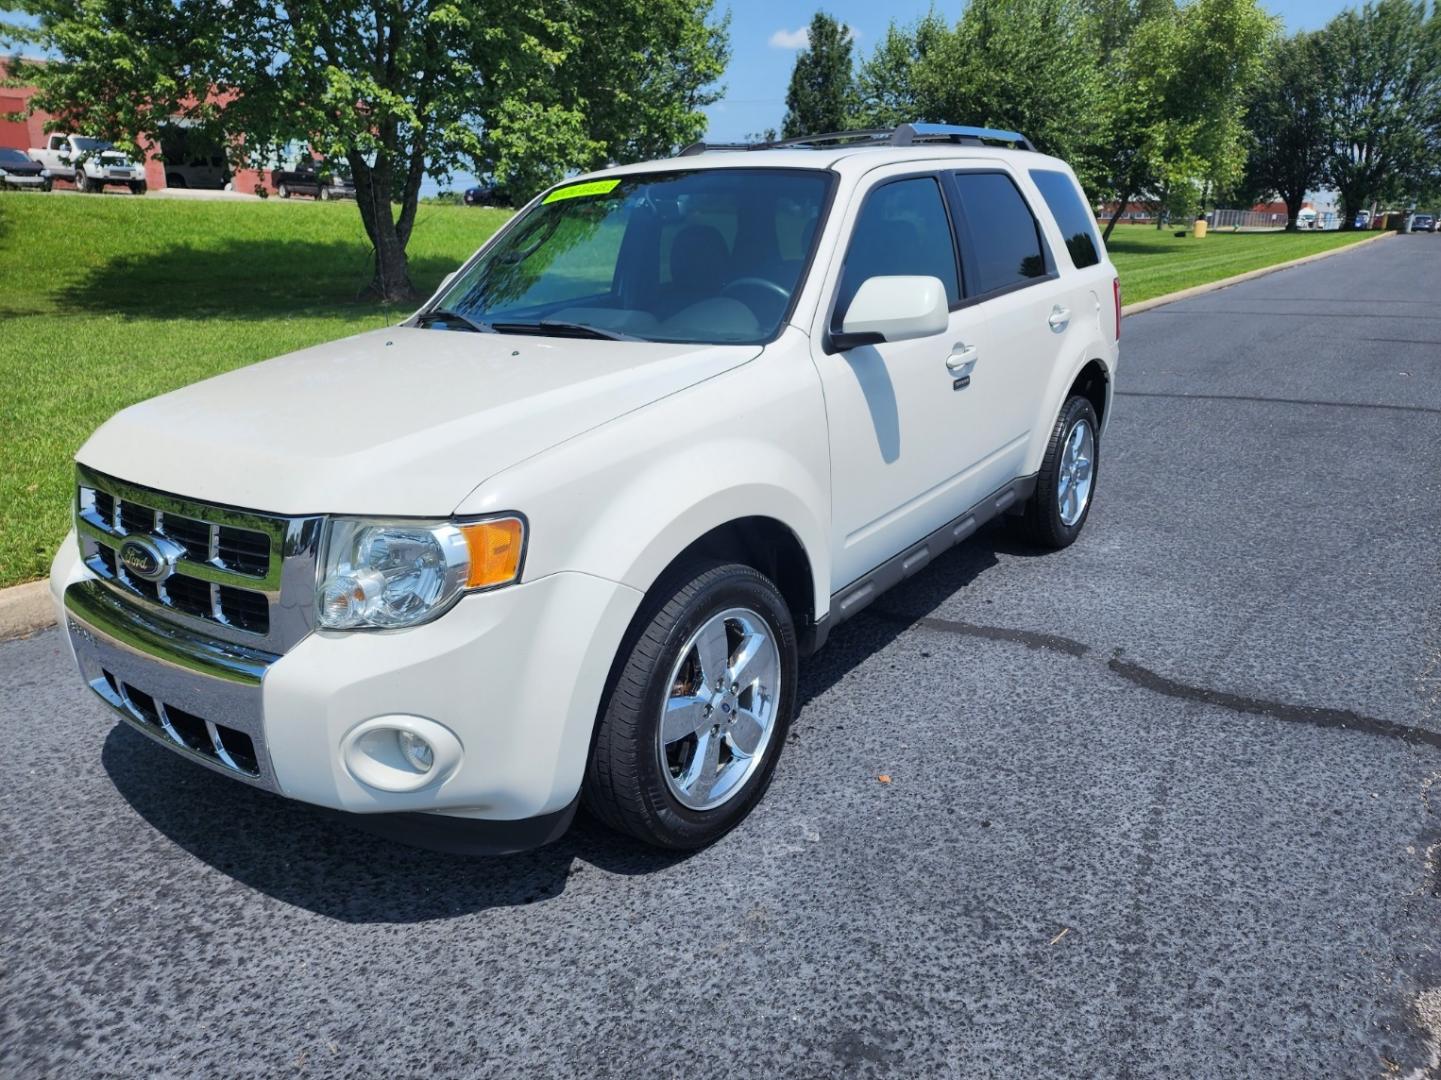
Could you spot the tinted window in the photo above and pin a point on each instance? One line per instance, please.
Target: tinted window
(902, 229)
(1004, 245)
(15, 157)
(1060, 193)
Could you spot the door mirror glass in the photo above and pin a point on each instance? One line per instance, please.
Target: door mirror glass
(894, 308)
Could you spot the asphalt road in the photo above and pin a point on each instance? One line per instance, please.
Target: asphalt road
(1158, 804)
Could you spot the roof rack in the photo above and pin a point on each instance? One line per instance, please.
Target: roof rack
(903, 135)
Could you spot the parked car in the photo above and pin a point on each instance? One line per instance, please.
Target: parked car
(314, 178)
(1362, 220)
(90, 164)
(18, 169)
(1423, 223)
(566, 533)
(486, 195)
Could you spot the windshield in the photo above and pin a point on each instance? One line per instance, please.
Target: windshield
(91, 146)
(709, 256)
(13, 157)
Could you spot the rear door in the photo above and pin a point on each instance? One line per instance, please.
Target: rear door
(1019, 304)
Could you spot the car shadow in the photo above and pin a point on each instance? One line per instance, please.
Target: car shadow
(313, 859)
(247, 278)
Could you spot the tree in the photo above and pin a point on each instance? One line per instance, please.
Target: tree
(821, 96)
(1176, 85)
(886, 89)
(1288, 123)
(1383, 98)
(399, 89)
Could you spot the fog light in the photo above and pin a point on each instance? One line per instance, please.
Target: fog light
(416, 750)
(401, 753)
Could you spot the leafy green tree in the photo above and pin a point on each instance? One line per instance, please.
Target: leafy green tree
(821, 96)
(521, 91)
(1025, 65)
(1383, 98)
(886, 89)
(1288, 124)
(1176, 84)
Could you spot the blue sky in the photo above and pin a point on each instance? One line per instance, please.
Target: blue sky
(765, 36)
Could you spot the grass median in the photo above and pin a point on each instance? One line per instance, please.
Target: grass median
(105, 301)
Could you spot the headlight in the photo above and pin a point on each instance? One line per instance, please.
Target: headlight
(2, 172)
(44, 172)
(385, 574)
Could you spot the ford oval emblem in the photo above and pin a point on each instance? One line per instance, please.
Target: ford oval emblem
(142, 557)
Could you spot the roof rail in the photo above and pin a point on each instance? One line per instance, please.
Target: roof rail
(903, 135)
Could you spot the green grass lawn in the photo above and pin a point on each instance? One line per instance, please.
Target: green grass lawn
(1154, 262)
(105, 301)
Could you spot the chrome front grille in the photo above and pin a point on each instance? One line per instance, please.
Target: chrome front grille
(247, 576)
(219, 744)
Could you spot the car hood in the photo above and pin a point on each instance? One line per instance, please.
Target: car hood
(399, 421)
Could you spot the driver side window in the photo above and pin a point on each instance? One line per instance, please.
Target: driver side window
(902, 229)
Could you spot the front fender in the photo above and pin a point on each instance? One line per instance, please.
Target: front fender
(624, 499)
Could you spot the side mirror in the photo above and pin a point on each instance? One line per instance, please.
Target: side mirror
(896, 308)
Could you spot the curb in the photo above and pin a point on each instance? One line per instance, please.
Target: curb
(25, 610)
(1212, 286)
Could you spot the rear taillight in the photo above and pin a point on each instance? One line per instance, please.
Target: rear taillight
(1116, 290)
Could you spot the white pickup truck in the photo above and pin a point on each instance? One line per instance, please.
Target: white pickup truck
(90, 164)
(565, 534)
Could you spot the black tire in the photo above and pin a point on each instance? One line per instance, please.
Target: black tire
(1041, 521)
(82, 182)
(138, 188)
(324, 194)
(47, 184)
(624, 784)
(283, 190)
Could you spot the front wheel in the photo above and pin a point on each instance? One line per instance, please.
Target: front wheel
(138, 188)
(689, 734)
(325, 194)
(1058, 510)
(283, 191)
(82, 182)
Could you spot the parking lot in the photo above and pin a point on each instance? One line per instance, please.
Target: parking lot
(1156, 805)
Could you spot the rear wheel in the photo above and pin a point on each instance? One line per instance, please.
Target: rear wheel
(324, 194)
(282, 190)
(138, 188)
(82, 182)
(689, 734)
(1058, 510)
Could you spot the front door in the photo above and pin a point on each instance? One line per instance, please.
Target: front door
(912, 440)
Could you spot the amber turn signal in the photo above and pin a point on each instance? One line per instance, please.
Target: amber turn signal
(495, 548)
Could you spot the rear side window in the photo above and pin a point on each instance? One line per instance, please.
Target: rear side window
(901, 229)
(1060, 193)
(1000, 239)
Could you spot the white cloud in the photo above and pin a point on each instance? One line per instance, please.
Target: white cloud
(799, 39)
(790, 39)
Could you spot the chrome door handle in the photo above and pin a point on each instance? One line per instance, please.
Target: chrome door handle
(962, 360)
(1060, 318)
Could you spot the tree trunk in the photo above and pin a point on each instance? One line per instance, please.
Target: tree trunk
(1120, 210)
(374, 187)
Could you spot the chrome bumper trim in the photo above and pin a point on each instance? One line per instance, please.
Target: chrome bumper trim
(216, 681)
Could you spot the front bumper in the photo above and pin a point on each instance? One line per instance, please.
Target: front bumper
(515, 674)
(11, 180)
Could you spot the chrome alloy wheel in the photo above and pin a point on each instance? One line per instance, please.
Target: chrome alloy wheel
(717, 722)
(1078, 467)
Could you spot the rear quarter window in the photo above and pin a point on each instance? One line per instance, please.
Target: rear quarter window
(1066, 205)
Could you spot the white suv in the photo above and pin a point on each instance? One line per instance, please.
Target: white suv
(564, 535)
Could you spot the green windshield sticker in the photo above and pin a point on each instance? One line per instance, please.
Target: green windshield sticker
(579, 191)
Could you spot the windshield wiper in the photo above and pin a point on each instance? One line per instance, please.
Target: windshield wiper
(561, 329)
(446, 315)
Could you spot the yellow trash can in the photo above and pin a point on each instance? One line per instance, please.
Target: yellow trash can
(1200, 228)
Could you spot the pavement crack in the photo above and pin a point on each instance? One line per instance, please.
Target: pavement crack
(1032, 639)
(1280, 401)
(1309, 715)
